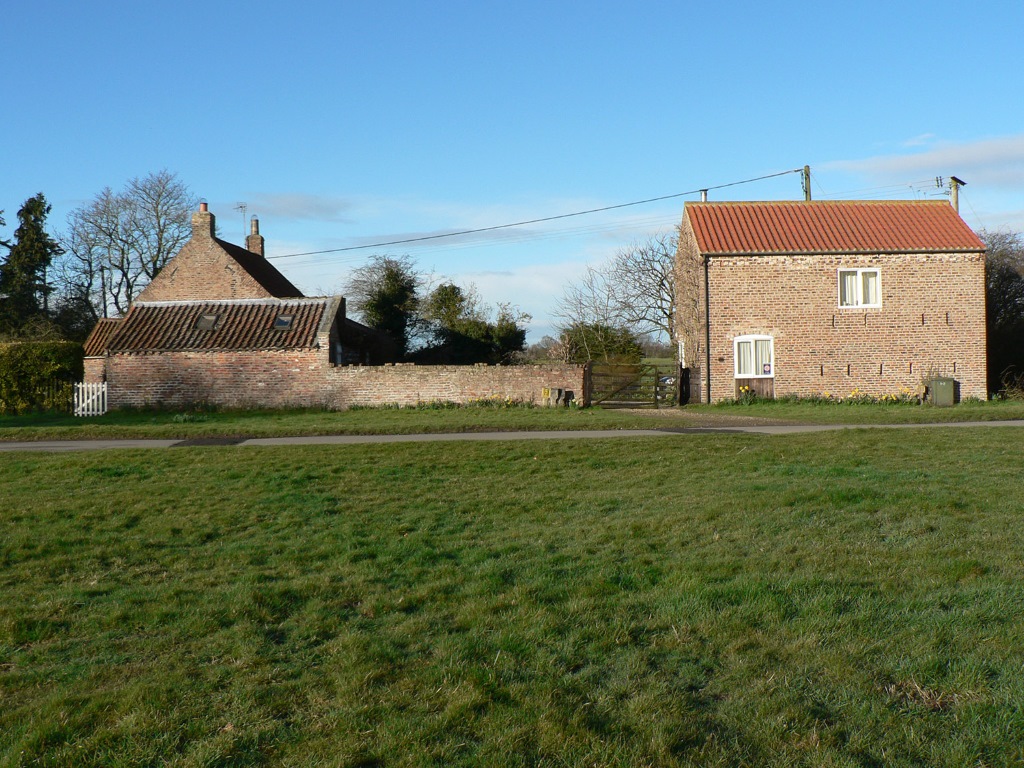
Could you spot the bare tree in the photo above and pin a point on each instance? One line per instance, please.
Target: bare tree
(643, 288)
(119, 241)
(635, 291)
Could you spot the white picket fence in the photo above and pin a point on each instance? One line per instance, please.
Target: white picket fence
(90, 399)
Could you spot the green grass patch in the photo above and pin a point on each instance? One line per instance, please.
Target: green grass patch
(846, 599)
(484, 417)
(852, 411)
(431, 418)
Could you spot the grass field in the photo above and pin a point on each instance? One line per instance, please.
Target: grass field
(846, 599)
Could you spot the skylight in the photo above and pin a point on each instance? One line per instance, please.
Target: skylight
(206, 322)
(283, 322)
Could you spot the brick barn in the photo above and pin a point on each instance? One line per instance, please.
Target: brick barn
(809, 298)
(220, 325)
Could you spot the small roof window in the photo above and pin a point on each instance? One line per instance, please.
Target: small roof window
(206, 322)
(283, 322)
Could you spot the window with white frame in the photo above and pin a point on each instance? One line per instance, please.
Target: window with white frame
(860, 288)
(755, 357)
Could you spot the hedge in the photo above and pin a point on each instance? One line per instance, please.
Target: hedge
(38, 375)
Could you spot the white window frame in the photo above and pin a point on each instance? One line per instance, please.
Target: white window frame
(858, 298)
(752, 339)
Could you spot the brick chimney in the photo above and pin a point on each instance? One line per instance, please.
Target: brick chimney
(202, 223)
(254, 242)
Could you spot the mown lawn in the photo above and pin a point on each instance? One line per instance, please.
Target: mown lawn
(846, 599)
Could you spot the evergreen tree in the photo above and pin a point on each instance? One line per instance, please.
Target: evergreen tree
(23, 278)
(1004, 278)
(462, 334)
(385, 294)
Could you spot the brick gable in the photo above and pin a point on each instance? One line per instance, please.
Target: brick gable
(208, 268)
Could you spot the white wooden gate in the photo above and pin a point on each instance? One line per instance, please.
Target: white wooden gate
(90, 398)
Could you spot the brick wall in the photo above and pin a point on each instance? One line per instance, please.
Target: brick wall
(94, 370)
(689, 276)
(304, 378)
(931, 320)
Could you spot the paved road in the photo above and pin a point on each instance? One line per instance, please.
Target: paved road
(57, 446)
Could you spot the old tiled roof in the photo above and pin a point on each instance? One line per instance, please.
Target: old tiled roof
(240, 324)
(905, 226)
(262, 271)
(100, 336)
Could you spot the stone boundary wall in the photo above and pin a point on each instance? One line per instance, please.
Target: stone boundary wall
(304, 379)
(408, 384)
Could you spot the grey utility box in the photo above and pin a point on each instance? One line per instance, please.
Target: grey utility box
(942, 391)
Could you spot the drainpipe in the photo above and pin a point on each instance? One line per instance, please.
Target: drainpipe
(707, 327)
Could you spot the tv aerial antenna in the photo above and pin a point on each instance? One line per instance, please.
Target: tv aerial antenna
(243, 207)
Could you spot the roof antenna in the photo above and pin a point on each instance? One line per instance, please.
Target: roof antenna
(243, 208)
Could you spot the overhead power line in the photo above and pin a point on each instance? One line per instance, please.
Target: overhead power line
(533, 221)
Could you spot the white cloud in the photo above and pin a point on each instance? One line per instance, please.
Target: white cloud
(920, 141)
(994, 163)
(534, 289)
(302, 207)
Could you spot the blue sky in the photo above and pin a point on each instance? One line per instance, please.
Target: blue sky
(348, 123)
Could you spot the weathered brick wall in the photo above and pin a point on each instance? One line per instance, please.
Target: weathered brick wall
(94, 370)
(228, 379)
(932, 320)
(306, 379)
(408, 384)
(689, 276)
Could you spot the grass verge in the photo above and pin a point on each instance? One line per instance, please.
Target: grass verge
(243, 424)
(161, 424)
(832, 599)
(821, 412)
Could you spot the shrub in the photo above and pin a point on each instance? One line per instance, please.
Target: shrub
(491, 402)
(856, 396)
(37, 376)
(1013, 386)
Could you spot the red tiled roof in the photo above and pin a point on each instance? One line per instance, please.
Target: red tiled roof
(96, 344)
(261, 270)
(904, 226)
(241, 324)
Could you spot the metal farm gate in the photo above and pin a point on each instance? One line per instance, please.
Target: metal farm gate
(614, 385)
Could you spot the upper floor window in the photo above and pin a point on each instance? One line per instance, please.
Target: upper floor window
(283, 322)
(860, 288)
(754, 356)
